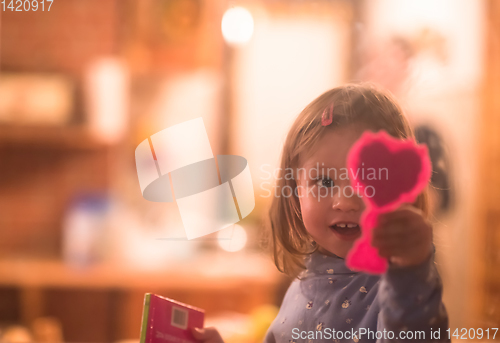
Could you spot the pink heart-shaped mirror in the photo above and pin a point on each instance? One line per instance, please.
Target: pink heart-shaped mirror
(388, 172)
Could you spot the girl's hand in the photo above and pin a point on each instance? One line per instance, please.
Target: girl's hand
(403, 236)
(207, 335)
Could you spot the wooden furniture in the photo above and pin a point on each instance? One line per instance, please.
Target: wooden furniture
(42, 169)
(104, 302)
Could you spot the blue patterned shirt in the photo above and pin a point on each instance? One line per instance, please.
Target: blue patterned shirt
(335, 304)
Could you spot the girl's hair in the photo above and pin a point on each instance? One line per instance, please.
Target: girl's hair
(360, 103)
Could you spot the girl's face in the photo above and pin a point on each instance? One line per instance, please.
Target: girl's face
(330, 207)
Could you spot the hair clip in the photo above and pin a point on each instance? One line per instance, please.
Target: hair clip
(327, 116)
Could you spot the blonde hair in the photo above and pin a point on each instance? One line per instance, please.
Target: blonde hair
(360, 103)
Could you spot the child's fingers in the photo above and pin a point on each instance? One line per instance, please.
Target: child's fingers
(397, 241)
(198, 333)
(388, 231)
(384, 252)
(393, 232)
(396, 225)
(207, 335)
(406, 237)
(407, 229)
(394, 248)
(391, 251)
(392, 219)
(386, 218)
(405, 213)
(387, 243)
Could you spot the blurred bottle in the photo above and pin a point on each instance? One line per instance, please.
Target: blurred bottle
(83, 230)
(107, 99)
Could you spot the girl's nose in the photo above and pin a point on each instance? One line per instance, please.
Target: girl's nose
(347, 200)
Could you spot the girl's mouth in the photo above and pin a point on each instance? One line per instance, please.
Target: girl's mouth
(346, 231)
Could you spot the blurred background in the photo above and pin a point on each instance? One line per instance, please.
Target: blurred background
(82, 83)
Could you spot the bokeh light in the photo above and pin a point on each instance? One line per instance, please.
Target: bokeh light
(233, 238)
(237, 25)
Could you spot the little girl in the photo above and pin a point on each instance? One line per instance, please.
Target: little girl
(314, 228)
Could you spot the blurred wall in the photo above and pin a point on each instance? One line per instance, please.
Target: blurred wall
(441, 89)
(298, 51)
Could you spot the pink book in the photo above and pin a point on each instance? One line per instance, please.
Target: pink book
(168, 321)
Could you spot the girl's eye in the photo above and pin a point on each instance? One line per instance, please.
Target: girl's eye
(325, 182)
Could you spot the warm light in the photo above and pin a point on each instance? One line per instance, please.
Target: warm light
(107, 90)
(237, 25)
(232, 238)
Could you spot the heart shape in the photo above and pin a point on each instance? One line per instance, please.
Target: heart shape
(389, 172)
